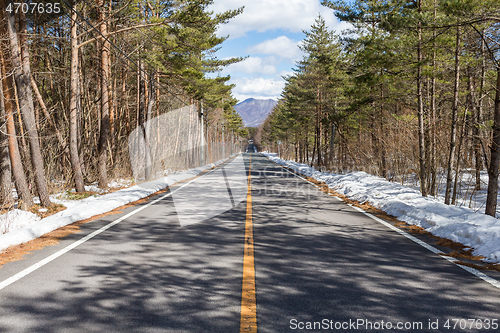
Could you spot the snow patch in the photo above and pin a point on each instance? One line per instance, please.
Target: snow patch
(16, 219)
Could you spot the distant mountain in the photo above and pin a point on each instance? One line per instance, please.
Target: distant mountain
(255, 111)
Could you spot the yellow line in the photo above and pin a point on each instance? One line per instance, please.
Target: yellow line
(248, 321)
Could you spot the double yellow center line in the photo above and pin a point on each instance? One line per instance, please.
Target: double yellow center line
(248, 321)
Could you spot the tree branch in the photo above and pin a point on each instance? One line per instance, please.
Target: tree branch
(119, 31)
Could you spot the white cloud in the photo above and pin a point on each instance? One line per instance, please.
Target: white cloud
(257, 88)
(253, 65)
(269, 57)
(282, 47)
(263, 15)
(286, 73)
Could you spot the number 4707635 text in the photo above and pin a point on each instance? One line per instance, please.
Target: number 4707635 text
(34, 7)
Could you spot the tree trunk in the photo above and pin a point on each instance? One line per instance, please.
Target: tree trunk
(112, 115)
(6, 198)
(22, 76)
(104, 132)
(433, 140)
(23, 192)
(420, 111)
(74, 106)
(22, 134)
(491, 199)
(454, 116)
(383, 150)
(478, 120)
(315, 145)
(332, 146)
(147, 128)
(307, 145)
(142, 117)
(374, 138)
(457, 164)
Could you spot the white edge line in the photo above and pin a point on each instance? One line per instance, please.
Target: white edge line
(70, 247)
(471, 270)
(481, 275)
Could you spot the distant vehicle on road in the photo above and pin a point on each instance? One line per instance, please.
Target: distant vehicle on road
(251, 148)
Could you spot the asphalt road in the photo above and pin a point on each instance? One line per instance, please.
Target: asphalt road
(177, 266)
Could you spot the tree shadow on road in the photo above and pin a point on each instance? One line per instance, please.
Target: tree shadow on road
(316, 258)
(149, 276)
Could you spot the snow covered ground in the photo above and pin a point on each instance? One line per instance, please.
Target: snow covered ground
(467, 196)
(461, 224)
(19, 226)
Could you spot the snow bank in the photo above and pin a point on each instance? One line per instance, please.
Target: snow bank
(16, 219)
(24, 226)
(478, 231)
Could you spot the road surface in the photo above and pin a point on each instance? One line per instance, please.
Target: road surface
(233, 253)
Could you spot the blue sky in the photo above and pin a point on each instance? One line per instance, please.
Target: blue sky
(268, 33)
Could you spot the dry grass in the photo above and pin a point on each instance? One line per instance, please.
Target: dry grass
(51, 210)
(489, 267)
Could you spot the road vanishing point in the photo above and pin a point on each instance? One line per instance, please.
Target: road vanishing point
(287, 257)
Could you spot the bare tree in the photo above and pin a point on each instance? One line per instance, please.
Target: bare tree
(7, 87)
(420, 106)
(454, 119)
(491, 199)
(74, 105)
(478, 118)
(22, 77)
(5, 171)
(104, 132)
